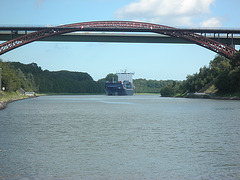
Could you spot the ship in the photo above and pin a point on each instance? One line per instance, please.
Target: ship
(124, 86)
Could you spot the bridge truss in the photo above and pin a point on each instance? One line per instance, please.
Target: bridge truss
(119, 26)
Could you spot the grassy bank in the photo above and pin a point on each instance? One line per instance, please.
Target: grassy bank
(52, 94)
(7, 97)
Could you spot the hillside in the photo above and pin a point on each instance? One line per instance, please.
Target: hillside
(31, 77)
(221, 77)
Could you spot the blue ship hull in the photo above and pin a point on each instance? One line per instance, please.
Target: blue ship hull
(117, 89)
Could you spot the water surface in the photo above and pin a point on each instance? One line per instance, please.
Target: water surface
(129, 137)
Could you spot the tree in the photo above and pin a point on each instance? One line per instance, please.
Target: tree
(235, 60)
(234, 77)
(111, 77)
(9, 78)
(167, 91)
(33, 78)
(223, 83)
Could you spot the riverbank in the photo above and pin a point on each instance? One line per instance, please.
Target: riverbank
(3, 105)
(212, 96)
(6, 98)
(226, 98)
(53, 94)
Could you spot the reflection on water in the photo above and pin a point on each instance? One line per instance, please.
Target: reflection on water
(136, 137)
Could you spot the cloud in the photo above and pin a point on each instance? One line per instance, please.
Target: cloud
(212, 22)
(170, 12)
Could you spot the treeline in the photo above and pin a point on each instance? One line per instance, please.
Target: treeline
(13, 79)
(154, 86)
(222, 77)
(31, 77)
(229, 80)
(206, 75)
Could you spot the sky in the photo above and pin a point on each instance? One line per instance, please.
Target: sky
(148, 61)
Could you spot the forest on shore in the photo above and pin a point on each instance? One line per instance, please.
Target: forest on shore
(222, 76)
(31, 77)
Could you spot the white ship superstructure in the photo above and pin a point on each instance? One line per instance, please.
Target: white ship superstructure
(125, 77)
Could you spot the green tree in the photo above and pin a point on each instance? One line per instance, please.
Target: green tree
(10, 80)
(111, 77)
(223, 83)
(55, 82)
(234, 77)
(229, 80)
(235, 60)
(167, 91)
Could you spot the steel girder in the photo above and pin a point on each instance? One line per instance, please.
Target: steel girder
(119, 26)
(17, 42)
(205, 42)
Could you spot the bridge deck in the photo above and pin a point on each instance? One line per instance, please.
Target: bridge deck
(117, 37)
(195, 30)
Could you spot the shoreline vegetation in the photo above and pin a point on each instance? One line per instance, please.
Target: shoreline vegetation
(219, 80)
(6, 98)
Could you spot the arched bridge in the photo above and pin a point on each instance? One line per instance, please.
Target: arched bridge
(119, 26)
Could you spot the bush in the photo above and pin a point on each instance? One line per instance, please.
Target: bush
(167, 91)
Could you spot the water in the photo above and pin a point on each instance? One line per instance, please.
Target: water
(136, 137)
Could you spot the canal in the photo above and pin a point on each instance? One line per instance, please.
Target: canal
(128, 137)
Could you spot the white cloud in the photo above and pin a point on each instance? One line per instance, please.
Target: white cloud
(212, 22)
(170, 12)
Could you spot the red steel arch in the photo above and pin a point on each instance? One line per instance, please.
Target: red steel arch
(119, 26)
